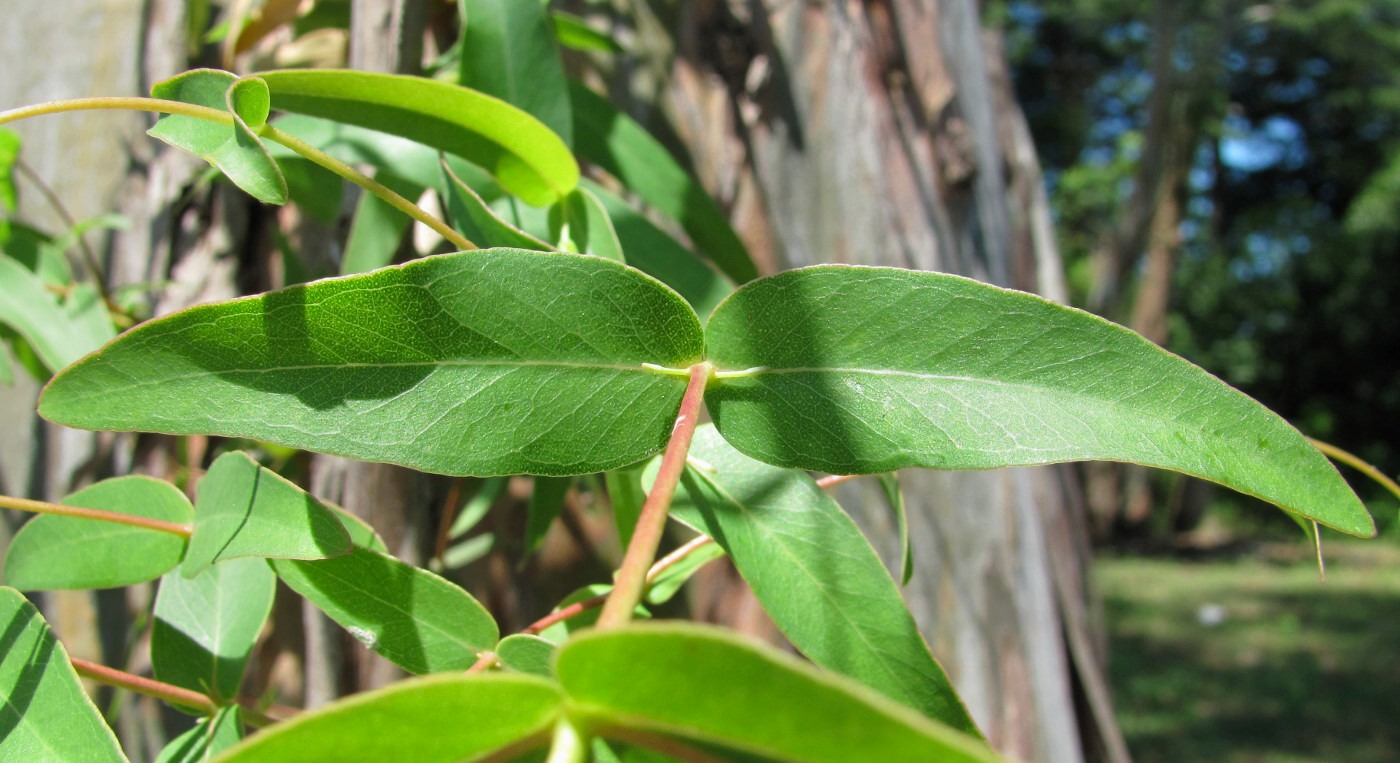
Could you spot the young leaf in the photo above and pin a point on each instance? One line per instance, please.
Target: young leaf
(209, 737)
(508, 51)
(857, 370)
(55, 552)
(45, 714)
(660, 679)
(613, 141)
(471, 215)
(546, 502)
(580, 223)
(243, 510)
(669, 582)
(235, 150)
(475, 363)
(526, 654)
(815, 575)
(417, 620)
(205, 626)
(525, 156)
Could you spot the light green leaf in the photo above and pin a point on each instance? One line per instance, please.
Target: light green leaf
(475, 363)
(45, 714)
(206, 626)
(546, 502)
(572, 32)
(9, 154)
(854, 370)
(815, 575)
(55, 552)
(661, 679)
(417, 620)
(508, 51)
(27, 307)
(243, 510)
(474, 218)
(436, 719)
(526, 157)
(669, 582)
(209, 737)
(362, 534)
(612, 140)
(526, 654)
(408, 160)
(654, 252)
(889, 483)
(235, 150)
(580, 223)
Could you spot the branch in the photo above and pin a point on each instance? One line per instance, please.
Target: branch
(145, 523)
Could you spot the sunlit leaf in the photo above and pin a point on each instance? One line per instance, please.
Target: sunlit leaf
(662, 679)
(205, 626)
(475, 219)
(580, 223)
(815, 575)
(667, 584)
(854, 370)
(9, 154)
(57, 552)
(417, 620)
(35, 314)
(526, 654)
(208, 738)
(508, 51)
(474, 363)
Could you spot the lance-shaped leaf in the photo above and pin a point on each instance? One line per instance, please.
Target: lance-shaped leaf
(508, 50)
(855, 370)
(661, 679)
(475, 219)
(417, 620)
(574, 32)
(615, 142)
(492, 362)
(45, 715)
(525, 156)
(546, 503)
(436, 719)
(209, 737)
(234, 149)
(56, 552)
(244, 510)
(815, 575)
(205, 626)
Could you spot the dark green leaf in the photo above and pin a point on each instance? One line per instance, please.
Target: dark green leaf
(417, 620)
(526, 654)
(854, 370)
(473, 363)
(313, 188)
(661, 679)
(580, 224)
(405, 159)
(242, 509)
(815, 575)
(524, 155)
(475, 219)
(626, 494)
(235, 150)
(508, 51)
(205, 626)
(572, 32)
(377, 229)
(45, 716)
(889, 483)
(208, 738)
(613, 141)
(437, 719)
(546, 502)
(56, 552)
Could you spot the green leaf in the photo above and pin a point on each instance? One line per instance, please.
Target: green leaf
(417, 620)
(508, 51)
(437, 719)
(245, 510)
(627, 496)
(654, 252)
(665, 586)
(313, 188)
(361, 533)
(45, 715)
(580, 223)
(661, 679)
(526, 654)
(475, 219)
(526, 157)
(55, 552)
(405, 159)
(560, 631)
(546, 502)
(234, 150)
(889, 483)
(9, 154)
(209, 737)
(815, 575)
(377, 229)
(572, 32)
(27, 307)
(613, 141)
(854, 370)
(475, 363)
(206, 626)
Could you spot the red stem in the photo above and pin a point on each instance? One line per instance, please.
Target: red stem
(43, 507)
(646, 538)
(142, 685)
(833, 480)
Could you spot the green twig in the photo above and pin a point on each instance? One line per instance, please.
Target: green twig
(44, 507)
(1357, 464)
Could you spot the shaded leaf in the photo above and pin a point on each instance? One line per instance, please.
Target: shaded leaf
(855, 370)
(417, 620)
(526, 654)
(627, 496)
(208, 738)
(572, 32)
(560, 631)
(815, 575)
(889, 483)
(206, 626)
(474, 363)
(612, 140)
(508, 51)
(546, 502)
(475, 219)
(580, 224)
(526, 157)
(56, 552)
(669, 582)
(377, 229)
(27, 307)
(45, 714)
(660, 679)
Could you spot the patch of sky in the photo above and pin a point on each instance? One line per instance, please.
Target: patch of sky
(1247, 148)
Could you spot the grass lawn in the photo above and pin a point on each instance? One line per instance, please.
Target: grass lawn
(1250, 658)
